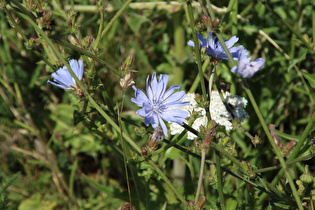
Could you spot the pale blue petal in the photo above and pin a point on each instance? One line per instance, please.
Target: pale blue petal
(163, 126)
(148, 87)
(175, 115)
(259, 63)
(161, 86)
(77, 67)
(62, 77)
(211, 42)
(154, 83)
(140, 97)
(191, 43)
(234, 51)
(176, 97)
(203, 41)
(155, 121)
(63, 86)
(178, 104)
(252, 68)
(143, 112)
(160, 104)
(150, 119)
(231, 42)
(247, 68)
(234, 69)
(170, 91)
(214, 47)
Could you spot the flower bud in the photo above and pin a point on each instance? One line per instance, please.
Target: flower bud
(144, 150)
(306, 177)
(73, 40)
(201, 202)
(156, 137)
(215, 23)
(127, 81)
(44, 19)
(301, 187)
(256, 140)
(88, 41)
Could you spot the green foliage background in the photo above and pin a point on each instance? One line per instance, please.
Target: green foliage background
(59, 152)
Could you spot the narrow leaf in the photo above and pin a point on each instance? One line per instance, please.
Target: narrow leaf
(310, 78)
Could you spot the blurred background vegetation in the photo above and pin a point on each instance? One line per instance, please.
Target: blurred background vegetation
(55, 156)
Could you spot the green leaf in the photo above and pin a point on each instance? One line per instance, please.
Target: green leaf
(77, 117)
(282, 206)
(107, 189)
(299, 59)
(35, 202)
(135, 22)
(287, 136)
(310, 78)
(250, 29)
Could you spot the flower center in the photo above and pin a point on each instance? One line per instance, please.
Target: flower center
(157, 106)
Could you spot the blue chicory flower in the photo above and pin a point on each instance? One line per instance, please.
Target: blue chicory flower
(63, 78)
(214, 47)
(247, 68)
(160, 104)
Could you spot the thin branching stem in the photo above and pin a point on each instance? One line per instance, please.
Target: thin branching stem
(288, 25)
(201, 171)
(275, 148)
(197, 50)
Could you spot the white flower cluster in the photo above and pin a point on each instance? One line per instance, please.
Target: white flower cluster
(200, 121)
(219, 112)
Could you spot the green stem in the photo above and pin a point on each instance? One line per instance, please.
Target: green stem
(222, 42)
(100, 29)
(275, 148)
(262, 170)
(111, 22)
(124, 147)
(211, 79)
(218, 148)
(197, 50)
(227, 155)
(220, 179)
(197, 79)
(179, 47)
(202, 166)
(31, 19)
(307, 90)
(313, 20)
(294, 153)
(170, 144)
(231, 61)
(210, 10)
(78, 82)
(19, 30)
(84, 52)
(234, 19)
(303, 138)
(168, 182)
(24, 10)
(289, 26)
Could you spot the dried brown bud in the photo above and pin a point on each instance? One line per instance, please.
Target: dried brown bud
(205, 18)
(288, 147)
(201, 202)
(144, 150)
(127, 81)
(215, 23)
(73, 40)
(126, 206)
(156, 137)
